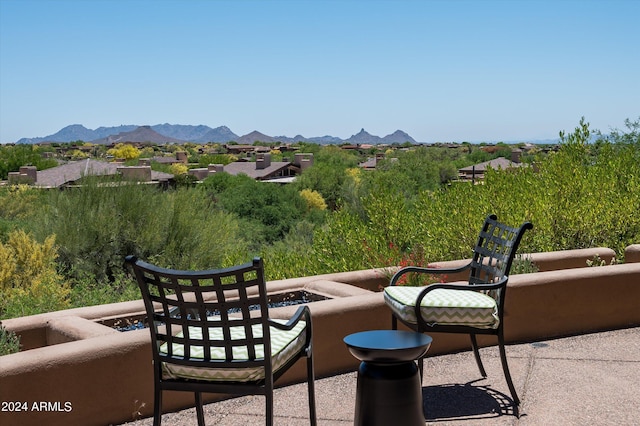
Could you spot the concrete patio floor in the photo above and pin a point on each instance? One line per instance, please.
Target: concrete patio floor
(591, 379)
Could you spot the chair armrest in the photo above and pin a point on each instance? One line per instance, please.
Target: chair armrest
(303, 313)
(421, 270)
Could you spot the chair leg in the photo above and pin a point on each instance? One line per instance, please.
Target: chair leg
(157, 406)
(476, 353)
(505, 368)
(311, 389)
(199, 410)
(269, 405)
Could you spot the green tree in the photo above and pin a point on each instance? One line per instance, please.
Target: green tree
(328, 174)
(270, 209)
(224, 159)
(12, 157)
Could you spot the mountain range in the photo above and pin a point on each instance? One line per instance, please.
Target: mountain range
(178, 133)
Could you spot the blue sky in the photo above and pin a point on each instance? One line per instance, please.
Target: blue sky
(439, 70)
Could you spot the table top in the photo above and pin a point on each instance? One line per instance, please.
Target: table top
(388, 345)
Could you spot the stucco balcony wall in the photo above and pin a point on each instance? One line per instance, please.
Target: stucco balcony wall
(567, 302)
(106, 376)
(632, 253)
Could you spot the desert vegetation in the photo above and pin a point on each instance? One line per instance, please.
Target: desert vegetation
(62, 249)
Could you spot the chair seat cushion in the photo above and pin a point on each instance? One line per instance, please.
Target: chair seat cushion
(443, 306)
(285, 345)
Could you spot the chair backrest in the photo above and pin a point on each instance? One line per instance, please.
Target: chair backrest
(495, 250)
(193, 314)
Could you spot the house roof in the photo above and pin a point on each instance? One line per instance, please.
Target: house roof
(166, 160)
(249, 169)
(369, 164)
(75, 170)
(496, 163)
(239, 148)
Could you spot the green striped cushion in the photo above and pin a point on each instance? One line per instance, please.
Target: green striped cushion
(284, 346)
(443, 306)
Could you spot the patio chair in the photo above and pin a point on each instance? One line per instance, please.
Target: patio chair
(211, 332)
(476, 308)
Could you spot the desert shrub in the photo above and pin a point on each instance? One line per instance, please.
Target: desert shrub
(197, 236)
(18, 202)
(87, 291)
(29, 282)
(292, 256)
(338, 246)
(97, 226)
(582, 196)
(185, 180)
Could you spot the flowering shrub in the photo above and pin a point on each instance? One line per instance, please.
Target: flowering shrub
(29, 282)
(178, 169)
(126, 151)
(313, 199)
(398, 259)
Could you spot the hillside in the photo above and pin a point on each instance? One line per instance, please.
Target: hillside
(141, 134)
(178, 133)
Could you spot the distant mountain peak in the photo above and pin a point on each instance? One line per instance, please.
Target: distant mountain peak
(141, 134)
(254, 136)
(364, 137)
(398, 137)
(75, 126)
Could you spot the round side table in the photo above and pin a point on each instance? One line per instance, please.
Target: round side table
(389, 391)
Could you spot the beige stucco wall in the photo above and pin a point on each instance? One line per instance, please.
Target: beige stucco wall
(632, 253)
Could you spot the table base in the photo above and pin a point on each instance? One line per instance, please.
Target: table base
(389, 394)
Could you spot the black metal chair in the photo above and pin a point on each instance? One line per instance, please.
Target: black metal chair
(476, 308)
(211, 332)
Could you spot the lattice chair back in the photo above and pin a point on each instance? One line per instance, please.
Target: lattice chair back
(196, 313)
(494, 252)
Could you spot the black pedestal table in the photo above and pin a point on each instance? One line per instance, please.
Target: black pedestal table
(389, 391)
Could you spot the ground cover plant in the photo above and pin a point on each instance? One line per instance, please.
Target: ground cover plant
(9, 341)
